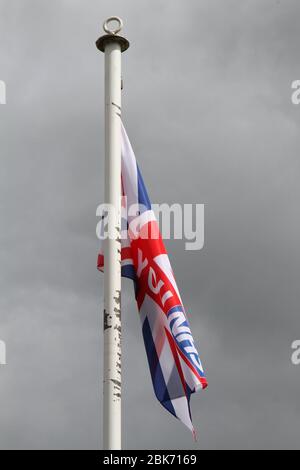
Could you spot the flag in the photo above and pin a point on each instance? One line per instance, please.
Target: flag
(174, 363)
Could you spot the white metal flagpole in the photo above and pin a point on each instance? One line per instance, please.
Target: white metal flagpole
(112, 45)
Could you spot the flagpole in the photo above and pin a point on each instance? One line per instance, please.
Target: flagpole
(112, 45)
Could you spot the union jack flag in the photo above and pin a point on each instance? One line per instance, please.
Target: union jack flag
(174, 363)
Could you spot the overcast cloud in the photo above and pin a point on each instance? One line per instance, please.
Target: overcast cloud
(207, 105)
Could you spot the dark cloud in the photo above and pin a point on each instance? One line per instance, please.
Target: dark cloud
(207, 106)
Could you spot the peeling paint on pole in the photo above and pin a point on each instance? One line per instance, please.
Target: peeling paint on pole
(106, 322)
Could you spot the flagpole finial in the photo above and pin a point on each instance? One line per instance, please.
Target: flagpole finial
(112, 35)
(112, 19)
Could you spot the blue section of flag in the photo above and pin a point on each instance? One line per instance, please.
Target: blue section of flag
(159, 385)
(128, 271)
(142, 192)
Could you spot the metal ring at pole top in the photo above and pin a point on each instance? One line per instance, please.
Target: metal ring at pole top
(117, 29)
(112, 35)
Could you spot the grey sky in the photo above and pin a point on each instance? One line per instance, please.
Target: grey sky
(207, 107)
